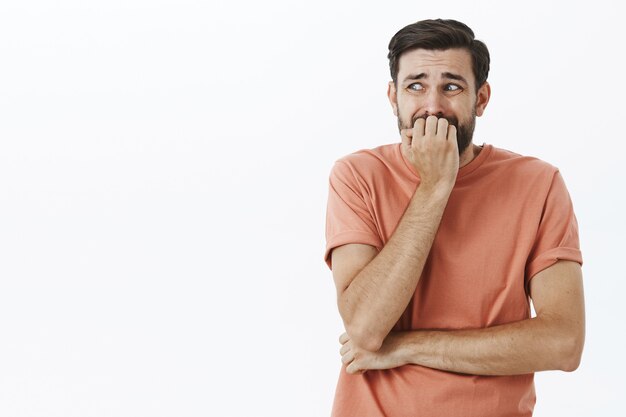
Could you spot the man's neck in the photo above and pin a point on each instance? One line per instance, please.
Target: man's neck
(469, 154)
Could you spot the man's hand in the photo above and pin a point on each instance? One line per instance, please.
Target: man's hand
(358, 360)
(431, 146)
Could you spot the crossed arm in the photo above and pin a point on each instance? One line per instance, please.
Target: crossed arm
(370, 306)
(553, 340)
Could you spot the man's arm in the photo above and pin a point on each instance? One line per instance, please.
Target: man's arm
(373, 294)
(551, 341)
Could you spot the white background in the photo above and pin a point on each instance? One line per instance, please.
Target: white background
(163, 182)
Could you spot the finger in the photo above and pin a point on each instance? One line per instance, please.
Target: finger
(452, 136)
(352, 368)
(418, 128)
(442, 129)
(344, 338)
(344, 348)
(431, 126)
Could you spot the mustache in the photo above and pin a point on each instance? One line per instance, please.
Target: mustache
(451, 119)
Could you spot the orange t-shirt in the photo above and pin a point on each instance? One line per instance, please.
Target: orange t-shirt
(507, 218)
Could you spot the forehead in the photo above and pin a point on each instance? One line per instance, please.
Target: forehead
(434, 62)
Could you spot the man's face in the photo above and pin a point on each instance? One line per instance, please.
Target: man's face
(437, 83)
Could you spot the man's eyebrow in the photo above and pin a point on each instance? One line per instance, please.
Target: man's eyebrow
(453, 77)
(415, 76)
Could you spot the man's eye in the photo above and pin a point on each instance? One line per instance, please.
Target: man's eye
(416, 87)
(452, 87)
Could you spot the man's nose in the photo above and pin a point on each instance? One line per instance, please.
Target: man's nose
(433, 103)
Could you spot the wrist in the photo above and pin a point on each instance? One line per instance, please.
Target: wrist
(440, 190)
(406, 348)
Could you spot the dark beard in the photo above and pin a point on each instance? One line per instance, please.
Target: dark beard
(464, 133)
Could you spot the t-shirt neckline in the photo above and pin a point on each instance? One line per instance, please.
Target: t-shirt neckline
(463, 171)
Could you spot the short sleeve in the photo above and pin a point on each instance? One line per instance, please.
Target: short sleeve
(348, 219)
(557, 235)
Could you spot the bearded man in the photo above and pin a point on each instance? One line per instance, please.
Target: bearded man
(437, 247)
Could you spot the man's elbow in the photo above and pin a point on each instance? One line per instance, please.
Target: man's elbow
(369, 342)
(360, 331)
(571, 353)
(364, 338)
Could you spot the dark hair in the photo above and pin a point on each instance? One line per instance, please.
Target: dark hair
(439, 34)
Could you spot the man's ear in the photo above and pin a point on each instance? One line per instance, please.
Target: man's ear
(393, 97)
(482, 98)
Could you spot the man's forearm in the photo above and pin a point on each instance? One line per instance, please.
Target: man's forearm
(379, 294)
(521, 347)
